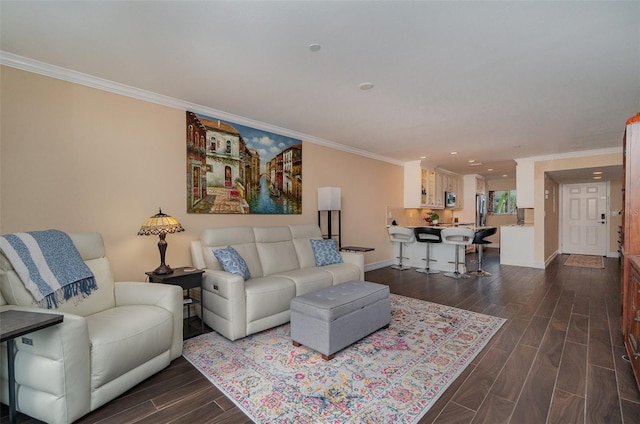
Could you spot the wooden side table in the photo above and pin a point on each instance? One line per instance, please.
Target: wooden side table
(14, 324)
(188, 278)
(357, 249)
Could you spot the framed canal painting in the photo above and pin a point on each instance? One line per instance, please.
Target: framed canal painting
(234, 169)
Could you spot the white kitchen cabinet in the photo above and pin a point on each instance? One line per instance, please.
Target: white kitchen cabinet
(460, 192)
(424, 186)
(420, 186)
(480, 185)
(438, 195)
(449, 182)
(430, 187)
(452, 183)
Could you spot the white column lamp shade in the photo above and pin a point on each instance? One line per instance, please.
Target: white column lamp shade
(329, 199)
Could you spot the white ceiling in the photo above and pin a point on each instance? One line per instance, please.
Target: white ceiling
(492, 80)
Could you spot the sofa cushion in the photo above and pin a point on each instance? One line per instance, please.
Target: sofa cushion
(305, 253)
(268, 296)
(325, 252)
(227, 236)
(275, 249)
(308, 279)
(343, 272)
(232, 262)
(301, 235)
(241, 239)
(124, 337)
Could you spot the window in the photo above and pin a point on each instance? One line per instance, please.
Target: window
(502, 202)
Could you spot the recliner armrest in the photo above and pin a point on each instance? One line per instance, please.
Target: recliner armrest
(197, 256)
(356, 259)
(53, 369)
(226, 284)
(167, 296)
(224, 295)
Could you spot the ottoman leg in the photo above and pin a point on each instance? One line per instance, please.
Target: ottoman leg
(325, 357)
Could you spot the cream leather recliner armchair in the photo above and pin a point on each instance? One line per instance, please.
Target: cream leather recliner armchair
(117, 337)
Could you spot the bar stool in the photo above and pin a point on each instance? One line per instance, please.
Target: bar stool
(401, 235)
(479, 239)
(458, 237)
(428, 235)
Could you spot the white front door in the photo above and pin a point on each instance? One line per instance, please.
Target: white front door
(584, 219)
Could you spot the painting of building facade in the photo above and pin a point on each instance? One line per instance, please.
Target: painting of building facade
(235, 169)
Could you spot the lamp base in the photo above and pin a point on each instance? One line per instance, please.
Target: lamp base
(163, 269)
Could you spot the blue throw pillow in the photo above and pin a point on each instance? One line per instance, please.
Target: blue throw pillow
(231, 261)
(325, 252)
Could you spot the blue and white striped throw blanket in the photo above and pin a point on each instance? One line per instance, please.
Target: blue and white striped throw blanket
(49, 265)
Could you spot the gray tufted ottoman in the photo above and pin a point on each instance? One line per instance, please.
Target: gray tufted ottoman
(330, 319)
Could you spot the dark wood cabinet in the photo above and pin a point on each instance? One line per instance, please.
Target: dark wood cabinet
(630, 234)
(632, 338)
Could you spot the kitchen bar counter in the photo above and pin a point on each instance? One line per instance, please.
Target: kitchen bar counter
(443, 253)
(516, 245)
(441, 225)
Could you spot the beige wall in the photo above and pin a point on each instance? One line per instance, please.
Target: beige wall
(81, 159)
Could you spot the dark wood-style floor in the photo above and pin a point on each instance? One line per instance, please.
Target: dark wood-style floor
(558, 358)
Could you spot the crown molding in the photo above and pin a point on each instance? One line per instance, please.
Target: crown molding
(30, 65)
(570, 155)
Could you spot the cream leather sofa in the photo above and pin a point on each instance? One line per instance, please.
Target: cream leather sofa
(282, 266)
(109, 342)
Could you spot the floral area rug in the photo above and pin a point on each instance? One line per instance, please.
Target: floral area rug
(392, 376)
(585, 261)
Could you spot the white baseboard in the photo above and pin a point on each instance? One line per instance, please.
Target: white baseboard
(377, 265)
(549, 259)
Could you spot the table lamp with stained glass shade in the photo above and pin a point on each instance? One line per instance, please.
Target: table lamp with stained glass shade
(160, 224)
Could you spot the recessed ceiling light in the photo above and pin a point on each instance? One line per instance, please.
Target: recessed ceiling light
(490, 169)
(314, 47)
(471, 160)
(453, 153)
(504, 175)
(366, 86)
(475, 164)
(597, 178)
(597, 172)
(423, 157)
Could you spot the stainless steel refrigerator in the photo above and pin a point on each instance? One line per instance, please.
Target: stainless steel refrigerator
(481, 210)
